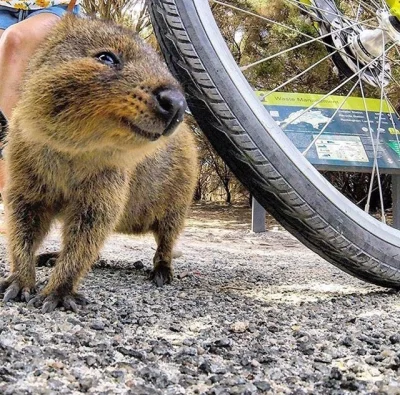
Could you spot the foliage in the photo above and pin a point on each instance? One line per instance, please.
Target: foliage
(258, 33)
(132, 13)
(215, 181)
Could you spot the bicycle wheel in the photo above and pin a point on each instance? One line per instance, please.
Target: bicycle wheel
(260, 154)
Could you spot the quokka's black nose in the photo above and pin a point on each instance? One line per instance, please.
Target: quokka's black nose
(171, 104)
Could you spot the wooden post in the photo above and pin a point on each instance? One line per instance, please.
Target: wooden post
(257, 217)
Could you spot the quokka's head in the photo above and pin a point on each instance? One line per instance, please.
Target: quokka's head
(94, 85)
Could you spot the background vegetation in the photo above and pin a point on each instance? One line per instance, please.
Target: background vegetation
(250, 39)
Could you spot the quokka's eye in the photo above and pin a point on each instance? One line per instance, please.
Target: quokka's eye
(109, 58)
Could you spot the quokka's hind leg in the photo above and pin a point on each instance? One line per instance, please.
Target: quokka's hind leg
(27, 224)
(166, 232)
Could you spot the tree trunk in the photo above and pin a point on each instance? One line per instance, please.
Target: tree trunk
(197, 192)
(228, 198)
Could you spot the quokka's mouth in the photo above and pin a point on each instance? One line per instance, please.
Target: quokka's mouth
(174, 123)
(139, 131)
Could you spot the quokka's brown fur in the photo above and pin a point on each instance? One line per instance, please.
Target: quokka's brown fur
(70, 156)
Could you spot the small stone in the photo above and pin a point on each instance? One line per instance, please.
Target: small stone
(186, 370)
(243, 389)
(305, 347)
(97, 325)
(273, 328)
(142, 389)
(347, 341)
(189, 351)
(86, 383)
(244, 361)
(138, 265)
(214, 379)
(255, 363)
(262, 385)
(20, 327)
(175, 328)
(393, 388)
(183, 274)
(117, 374)
(200, 350)
(224, 342)
(90, 361)
(160, 350)
(177, 253)
(206, 367)
(351, 385)
(387, 352)
(266, 359)
(361, 351)
(370, 360)
(56, 365)
(336, 374)
(276, 374)
(55, 384)
(132, 353)
(239, 326)
(394, 339)
(324, 358)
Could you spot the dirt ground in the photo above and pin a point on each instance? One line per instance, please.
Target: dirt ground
(246, 314)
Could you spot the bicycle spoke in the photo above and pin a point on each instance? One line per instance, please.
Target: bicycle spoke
(334, 90)
(330, 120)
(314, 39)
(375, 164)
(263, 97)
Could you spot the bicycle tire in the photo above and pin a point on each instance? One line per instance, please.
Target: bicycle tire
(259, 153)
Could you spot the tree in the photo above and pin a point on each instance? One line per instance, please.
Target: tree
(132, 13)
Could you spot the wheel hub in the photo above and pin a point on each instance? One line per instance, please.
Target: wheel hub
(360, 50)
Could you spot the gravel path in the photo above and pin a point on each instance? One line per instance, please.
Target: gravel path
(250, 314)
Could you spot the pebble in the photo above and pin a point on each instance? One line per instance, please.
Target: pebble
(90, 361)
(138, 265)
(263, 385)
(239, 326)
(97, 325)
(224, 342)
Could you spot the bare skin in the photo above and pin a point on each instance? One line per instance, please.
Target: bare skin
(17, 45)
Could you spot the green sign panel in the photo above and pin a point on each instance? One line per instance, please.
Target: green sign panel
(349, 134)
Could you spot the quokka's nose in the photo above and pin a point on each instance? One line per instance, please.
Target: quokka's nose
(171, 104)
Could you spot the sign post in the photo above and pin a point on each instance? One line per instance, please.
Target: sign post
(257, 217)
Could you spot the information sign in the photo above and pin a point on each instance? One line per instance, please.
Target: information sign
(346, 142)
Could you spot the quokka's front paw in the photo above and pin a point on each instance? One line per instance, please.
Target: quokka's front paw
(13, 287)
(50, 302)
(162, 274)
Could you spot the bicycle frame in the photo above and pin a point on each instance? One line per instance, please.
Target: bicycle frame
(394, 7)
